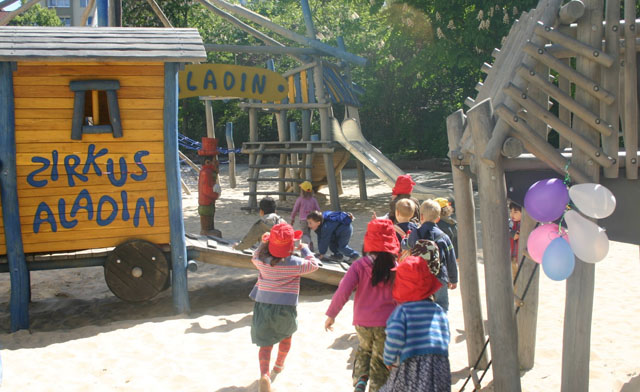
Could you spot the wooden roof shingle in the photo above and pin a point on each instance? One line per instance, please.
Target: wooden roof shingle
(27, 43)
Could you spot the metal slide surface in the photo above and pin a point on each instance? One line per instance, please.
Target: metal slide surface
(350, 137)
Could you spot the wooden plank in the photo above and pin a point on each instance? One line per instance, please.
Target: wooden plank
(98, 233)
(63, 136)
(67, 103)
(582, 49)
(107, 189)
(77, 244)
(64, 80)
(576, 342)
(172, 164)
(36, 124)
(69, 55)
(609, 112)
(24, 171)
(159, 214)
(467, 248)
(24, 159)
(43, 68)
(20, 291)
(113, 147)
(18, 45)
(630, 71)
(64, 92)
(499, 287)
(159, 195)
(37, 39)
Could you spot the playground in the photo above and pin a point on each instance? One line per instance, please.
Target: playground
(83, 337)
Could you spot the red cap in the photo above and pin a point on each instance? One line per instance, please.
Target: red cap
(381, 237)
(404, 185)
(414, 281)
(281, 239)
(209, 146)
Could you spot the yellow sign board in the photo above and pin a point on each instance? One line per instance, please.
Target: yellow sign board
(227, 80)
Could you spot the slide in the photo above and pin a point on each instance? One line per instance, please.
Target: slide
(350, 137)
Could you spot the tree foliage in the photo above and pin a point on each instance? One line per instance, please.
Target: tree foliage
(37, 16)
(424, 59)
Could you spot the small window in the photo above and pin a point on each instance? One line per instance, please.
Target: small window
(90, 21)
(84, 3)
(95, 108)
(58, 3)
(66, 21)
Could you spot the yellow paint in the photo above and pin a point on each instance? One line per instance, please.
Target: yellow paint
(43, 112)
(227, 80)
(292, 90)
(304, 87)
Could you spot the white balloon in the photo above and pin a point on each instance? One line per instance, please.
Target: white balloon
(588, 241)
(593, 200)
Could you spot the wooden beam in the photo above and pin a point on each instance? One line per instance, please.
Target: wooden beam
(588, 85)
(609, 112)
(172, 171)
(497, 264)
(576, 341)
(563, 113)
(284, 106)
(593, 53)
(575, 137)
(232, 155)
(264, 22)
(9, 17)
(629, 67)
(260, 49)
(158, 11)
(571, 12)
(88, 10)
(467, 248)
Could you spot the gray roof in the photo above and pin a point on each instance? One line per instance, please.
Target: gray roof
(22, 43)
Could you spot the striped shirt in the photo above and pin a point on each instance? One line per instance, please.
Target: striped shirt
(416, 328)
(280, 284)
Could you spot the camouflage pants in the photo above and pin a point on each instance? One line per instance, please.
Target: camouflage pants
(368, 359)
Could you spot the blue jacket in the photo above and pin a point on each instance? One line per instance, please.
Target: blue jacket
(448, 267)
(334, 225)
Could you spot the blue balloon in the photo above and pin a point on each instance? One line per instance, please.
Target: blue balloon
(558, 260)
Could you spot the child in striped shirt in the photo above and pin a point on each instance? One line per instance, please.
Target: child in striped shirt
(276, 296)
(417, 345)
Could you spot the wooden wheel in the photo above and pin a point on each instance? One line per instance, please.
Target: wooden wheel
(136, 271)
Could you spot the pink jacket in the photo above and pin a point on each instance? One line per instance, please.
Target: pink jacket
(372, 305)
(304, 205)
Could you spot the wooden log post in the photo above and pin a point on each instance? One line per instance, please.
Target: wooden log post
(231, 146)
(497, 263)
(630, 92)
(294, 171)
(564, 114)
(172, 172)
(19, 300)
(467, 248)
(158, 11)
(609, 112)
(281, 121)
(528, 314)
(576, 343)
(253, 159)
(571, 12)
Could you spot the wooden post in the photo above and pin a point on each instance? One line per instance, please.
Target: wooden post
(253, 137)
(172, 172)
(497, 263)
(281, 121)
(528, 314)
(208, 115)
(630, 92)
(609, 113)
(294, 172)
(232, 155)
(571, 12)
(325, 134)
(88, 10)
(158, 11)
(467, 248)
(563, 113)
(576, 343)
(19, 300)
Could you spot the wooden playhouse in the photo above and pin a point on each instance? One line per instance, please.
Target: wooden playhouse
(89, 170)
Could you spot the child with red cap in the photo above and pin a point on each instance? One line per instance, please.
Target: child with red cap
(417, 345)
(276, 296)
(402, 190)
(370, 277)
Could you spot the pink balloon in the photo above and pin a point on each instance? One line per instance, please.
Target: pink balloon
(541, 237)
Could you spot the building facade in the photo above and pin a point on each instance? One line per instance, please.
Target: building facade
(70, 11)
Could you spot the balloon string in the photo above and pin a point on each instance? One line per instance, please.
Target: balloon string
(567, 177)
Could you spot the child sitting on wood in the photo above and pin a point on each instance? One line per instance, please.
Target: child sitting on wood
(268, 218)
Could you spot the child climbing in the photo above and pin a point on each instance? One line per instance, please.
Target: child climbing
(334, 231)
(276, 296)
(268, 219)
(208, 187)
(371, 278)
(447, 223)
(417, 344)
(305, 203)
(448, 274)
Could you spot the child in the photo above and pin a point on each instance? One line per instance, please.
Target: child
(448, 275)
(417, 344)
(276, 296)
(370, 277)
(447, 223)
(515, 216)
(268, 218)
(402, 190)
(334, 232)
(405, 211)
(305, 203)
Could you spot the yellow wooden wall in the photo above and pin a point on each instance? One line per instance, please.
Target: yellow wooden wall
(43, 115)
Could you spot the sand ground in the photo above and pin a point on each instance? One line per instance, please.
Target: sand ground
(83, 338)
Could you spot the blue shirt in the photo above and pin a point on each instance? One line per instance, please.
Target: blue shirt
(448, 267)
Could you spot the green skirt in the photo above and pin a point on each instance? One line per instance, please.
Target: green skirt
(272, 323)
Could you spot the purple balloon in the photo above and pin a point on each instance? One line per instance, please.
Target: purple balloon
(546, 200)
